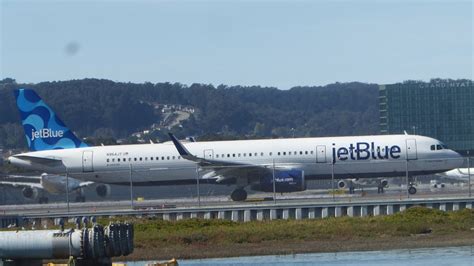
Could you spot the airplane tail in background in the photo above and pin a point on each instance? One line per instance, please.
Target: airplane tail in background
(44, 130)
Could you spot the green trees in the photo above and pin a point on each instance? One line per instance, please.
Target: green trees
(103, 109)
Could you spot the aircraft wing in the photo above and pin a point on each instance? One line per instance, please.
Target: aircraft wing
(224, 169)
(20, 184)
(86, 184)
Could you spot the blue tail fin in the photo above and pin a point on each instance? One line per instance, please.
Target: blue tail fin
(43, 128)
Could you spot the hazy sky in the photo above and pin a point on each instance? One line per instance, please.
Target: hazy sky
(268, 43)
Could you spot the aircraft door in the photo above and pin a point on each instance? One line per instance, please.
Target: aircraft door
(209, 154)
(321, 154)
(87, 165)
(411, 149)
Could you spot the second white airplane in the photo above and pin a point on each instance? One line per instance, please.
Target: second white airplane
(243, 163)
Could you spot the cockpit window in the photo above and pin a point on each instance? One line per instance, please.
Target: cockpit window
(438, 147)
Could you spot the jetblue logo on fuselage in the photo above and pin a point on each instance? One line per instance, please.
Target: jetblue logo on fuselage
(46, 133)
(365, 151)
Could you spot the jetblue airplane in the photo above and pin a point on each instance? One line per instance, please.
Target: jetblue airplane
(282, 165)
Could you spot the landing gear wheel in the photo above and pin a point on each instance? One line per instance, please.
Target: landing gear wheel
(239, 195)
(412, 190)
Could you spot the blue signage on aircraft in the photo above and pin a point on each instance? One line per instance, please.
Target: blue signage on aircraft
(365, 151)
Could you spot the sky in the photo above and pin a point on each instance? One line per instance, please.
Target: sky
(268, 43)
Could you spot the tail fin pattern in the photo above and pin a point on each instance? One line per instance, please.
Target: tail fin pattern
(43, 128)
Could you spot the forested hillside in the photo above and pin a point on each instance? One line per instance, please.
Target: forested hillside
(103, 108)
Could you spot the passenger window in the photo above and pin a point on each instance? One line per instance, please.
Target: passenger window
(311, 152)
(433, 147)
(151, 158)
(250, 154)
(233, 155)
(179, 157)
(255, 154)
(113, 160)
(146, 158)
(217, 155)
(135, 159)
(124, 159)
(306, 152)
(270, 153)
(261, 154)
(438, 147)
(118, 160)
(278, 153)
(238, 154)
(162, 158)
(245, 154)
(107, 160)
(167, 157)
(140, 158)
(173, 157)
(228, 155)
(284, 153)
(157, 158)
(129, 159)
(301, 153)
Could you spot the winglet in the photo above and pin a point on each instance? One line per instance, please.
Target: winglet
(181, 149)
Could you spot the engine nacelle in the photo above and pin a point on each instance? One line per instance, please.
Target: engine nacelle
(30, 193)
(285, 181)
(103, 190)
(341, 184)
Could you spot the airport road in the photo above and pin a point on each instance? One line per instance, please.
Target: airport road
(301, 198)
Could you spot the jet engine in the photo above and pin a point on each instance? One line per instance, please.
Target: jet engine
(30, 193)
(103, 190)
(341, 184)
(285, 181)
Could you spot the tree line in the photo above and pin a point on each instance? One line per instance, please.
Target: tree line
(104, 109)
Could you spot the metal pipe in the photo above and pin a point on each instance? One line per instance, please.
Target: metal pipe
(40, 244)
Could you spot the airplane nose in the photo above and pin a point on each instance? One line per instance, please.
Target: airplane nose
(457, 160)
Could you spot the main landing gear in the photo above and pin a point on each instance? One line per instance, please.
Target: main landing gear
(239, 194)
(411, 189)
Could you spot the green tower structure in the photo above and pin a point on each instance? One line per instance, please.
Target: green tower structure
(442, 109)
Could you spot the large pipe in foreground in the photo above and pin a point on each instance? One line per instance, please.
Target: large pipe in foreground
(85, 243)
(40, 244)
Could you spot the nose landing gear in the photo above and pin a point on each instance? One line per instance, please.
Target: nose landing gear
(411, 189)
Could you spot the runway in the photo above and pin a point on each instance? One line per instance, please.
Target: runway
(308, 197)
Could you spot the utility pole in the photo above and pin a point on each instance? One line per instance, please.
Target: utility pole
(131, 187)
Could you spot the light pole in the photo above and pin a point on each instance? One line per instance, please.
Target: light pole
(131, 188)
(67, 189)
(469, 172)
(197, 186)
(274, 185)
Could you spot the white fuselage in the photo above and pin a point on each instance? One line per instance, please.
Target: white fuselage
(358, 156)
